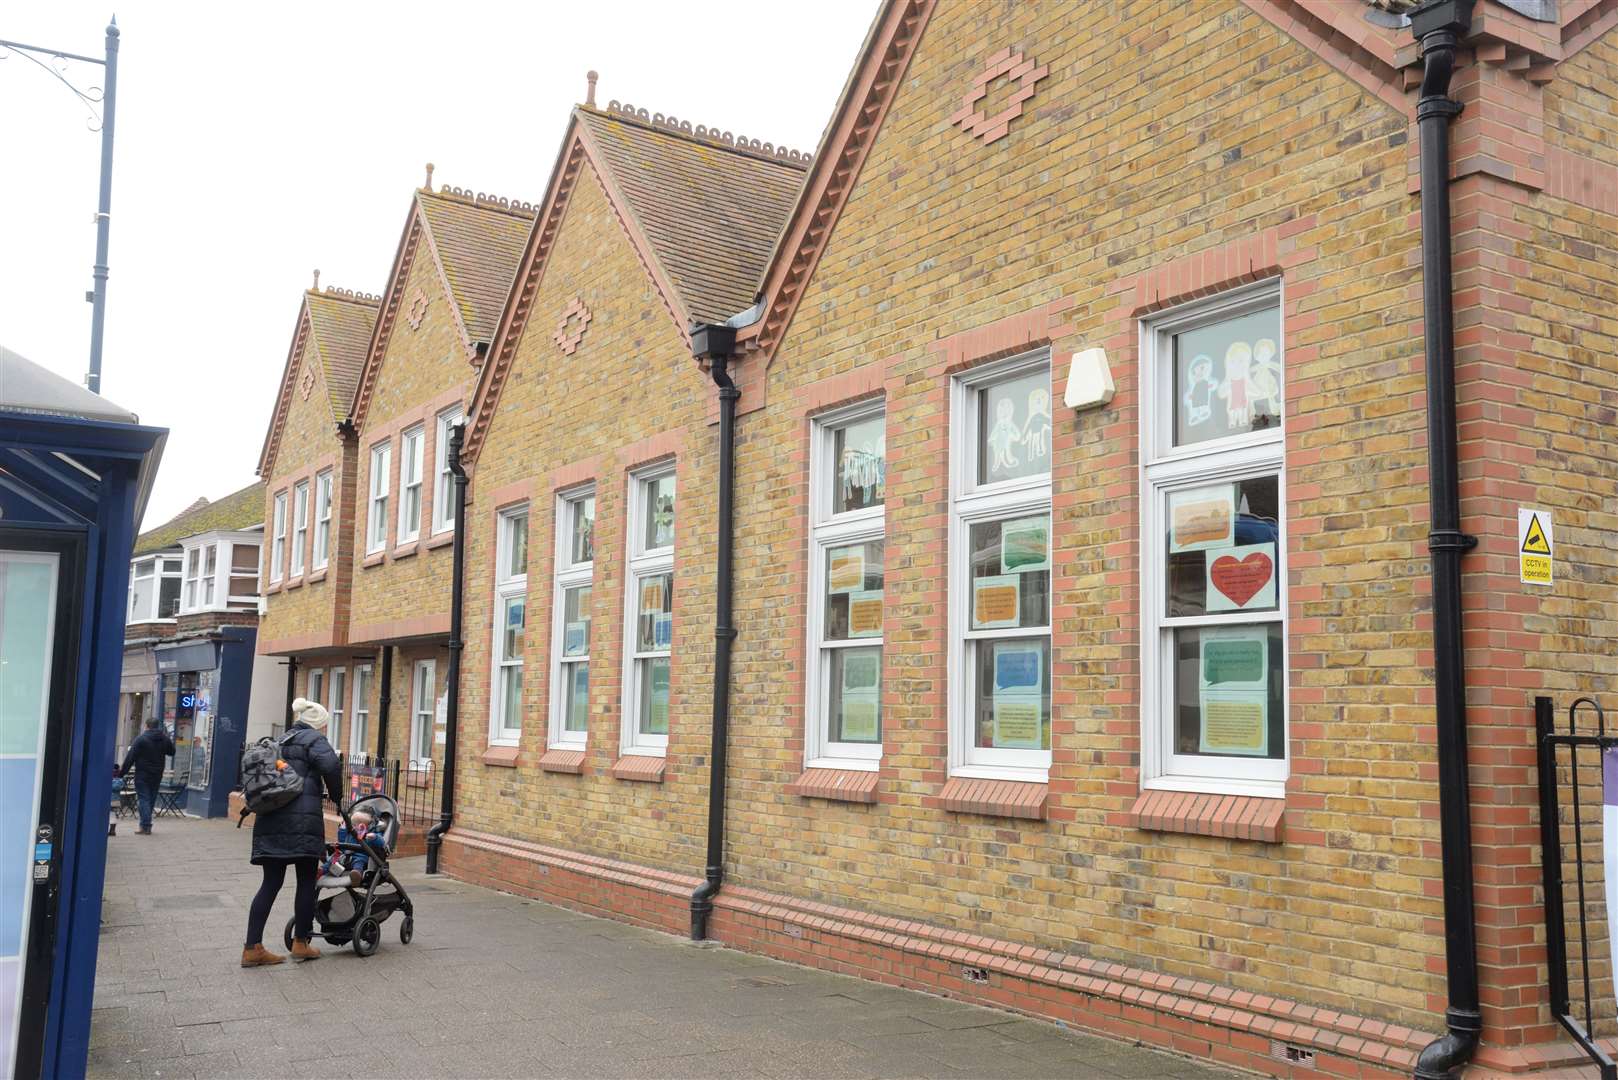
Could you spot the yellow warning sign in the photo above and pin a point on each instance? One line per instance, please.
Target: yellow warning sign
(1535, 546)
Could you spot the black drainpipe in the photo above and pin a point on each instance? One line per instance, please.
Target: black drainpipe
(714, 344)
(383, 700)
(1439, 28)
(452, 710)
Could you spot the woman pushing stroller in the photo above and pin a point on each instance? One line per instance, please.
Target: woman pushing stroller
(295, 835)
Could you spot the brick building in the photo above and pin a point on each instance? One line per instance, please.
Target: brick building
(1086, 639)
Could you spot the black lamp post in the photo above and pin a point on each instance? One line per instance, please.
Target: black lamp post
(107, 99)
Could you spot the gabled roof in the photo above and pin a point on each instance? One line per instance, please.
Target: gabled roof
(475, 242)
(701, 208)
(334, 327)
(235, 512)
(863, 104)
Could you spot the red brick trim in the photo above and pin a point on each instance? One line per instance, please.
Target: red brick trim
(653, 448)
(1236, 817)
(1208, 1020)
(639, 767)
(510, 494)
(563, 761)
(575, 473)
(994, 798)
(838, 785)
(300, 643)
(1581, 180)
(504, 756)
(378, 633)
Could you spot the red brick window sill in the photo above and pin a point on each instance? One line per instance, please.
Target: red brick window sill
(995, 798)
(504, 756)
(563, 761)
(639, 767)
(838, 785)
(1235, 817)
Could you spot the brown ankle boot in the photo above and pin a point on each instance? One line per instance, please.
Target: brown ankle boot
(302, 950)
(259, 956)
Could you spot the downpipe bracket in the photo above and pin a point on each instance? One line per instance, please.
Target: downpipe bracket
(1451, 540)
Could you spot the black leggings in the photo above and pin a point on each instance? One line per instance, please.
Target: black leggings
(303, 904)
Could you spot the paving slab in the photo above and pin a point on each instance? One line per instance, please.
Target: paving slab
(503, 986)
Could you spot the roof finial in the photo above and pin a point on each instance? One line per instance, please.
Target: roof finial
(590, 78)
(317, 281)
(429, 184)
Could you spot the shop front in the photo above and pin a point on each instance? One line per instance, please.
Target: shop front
(202, 692)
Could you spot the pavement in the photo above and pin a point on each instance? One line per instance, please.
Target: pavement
(495, 985)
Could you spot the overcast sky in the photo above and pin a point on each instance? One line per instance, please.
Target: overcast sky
(258, 142)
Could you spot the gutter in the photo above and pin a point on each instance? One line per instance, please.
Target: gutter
(1438, 27)
(715, 344)
(452, 709)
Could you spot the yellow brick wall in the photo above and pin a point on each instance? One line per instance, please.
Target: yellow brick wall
(421, 366)
(631, 379)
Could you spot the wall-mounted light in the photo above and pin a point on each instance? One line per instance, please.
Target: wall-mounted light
(1089, 380)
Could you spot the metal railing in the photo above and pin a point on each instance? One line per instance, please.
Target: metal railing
(1572, 771)
(414, 785)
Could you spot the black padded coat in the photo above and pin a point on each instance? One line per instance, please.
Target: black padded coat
(298, 829)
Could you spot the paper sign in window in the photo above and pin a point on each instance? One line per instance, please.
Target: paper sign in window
(845, 571)
(651, 595)
(1241, 577)
(996, 601)
(1202, 518)
(1233, 680)
(1018, 697)
(865, 613)
(862, 684)
(657, 719)
(662, 630)
(1025, 545)
(576, 638)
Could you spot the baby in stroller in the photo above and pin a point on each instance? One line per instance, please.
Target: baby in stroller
(347, 867)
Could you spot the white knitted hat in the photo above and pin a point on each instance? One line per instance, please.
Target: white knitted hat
(310, 712)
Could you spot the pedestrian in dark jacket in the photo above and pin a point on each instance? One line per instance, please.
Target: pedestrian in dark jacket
(294, 835)
(146, 755)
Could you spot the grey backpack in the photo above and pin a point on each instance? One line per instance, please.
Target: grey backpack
(269, 781)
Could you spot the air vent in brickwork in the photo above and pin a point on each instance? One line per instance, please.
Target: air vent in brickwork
(1292, 1055)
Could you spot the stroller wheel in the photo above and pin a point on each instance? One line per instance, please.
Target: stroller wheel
(407, 929)
(367, 936)
(287, 937)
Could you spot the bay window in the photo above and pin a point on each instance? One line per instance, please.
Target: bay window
(443, 485)
(1213, 645)
(411, 447)
(510, 622)
(649, 614)
(1000, 571)
(154, 589)
(278, 536)
(848, 481)
(300, 525)
(376, 528)
(322, 552)
(570, 622)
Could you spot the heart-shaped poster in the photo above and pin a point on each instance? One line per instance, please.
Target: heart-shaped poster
(1241, 579)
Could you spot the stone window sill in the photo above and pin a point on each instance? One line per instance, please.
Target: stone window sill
(404, 551)
(995, 798)
(639, 768)
(318, 575)
(293, 583)
(504, 756)
(1235, 817)
(837, 785)
(374, 560)
(563, 761)
(441, 540)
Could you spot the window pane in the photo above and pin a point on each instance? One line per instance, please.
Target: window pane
(860, 451)
(516, 546)
(244, 559)
(514, 613)
(1227, 691)
(659, 512)
(1221, 547)
(140, 592)
(511, 697)
(1014, 427)
(1227, 377)
(170, 566)
(654, 629)
(1014, 693)
(168, 598)
(1011, 573)
(855, 699)
(412, 507)
(576, 621)
(654, 695)
(854, 591)
(575, 696)
(584, 529)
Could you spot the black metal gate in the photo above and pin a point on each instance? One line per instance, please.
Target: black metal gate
(1583, 751)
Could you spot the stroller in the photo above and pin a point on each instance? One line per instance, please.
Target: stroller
(355, 913)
